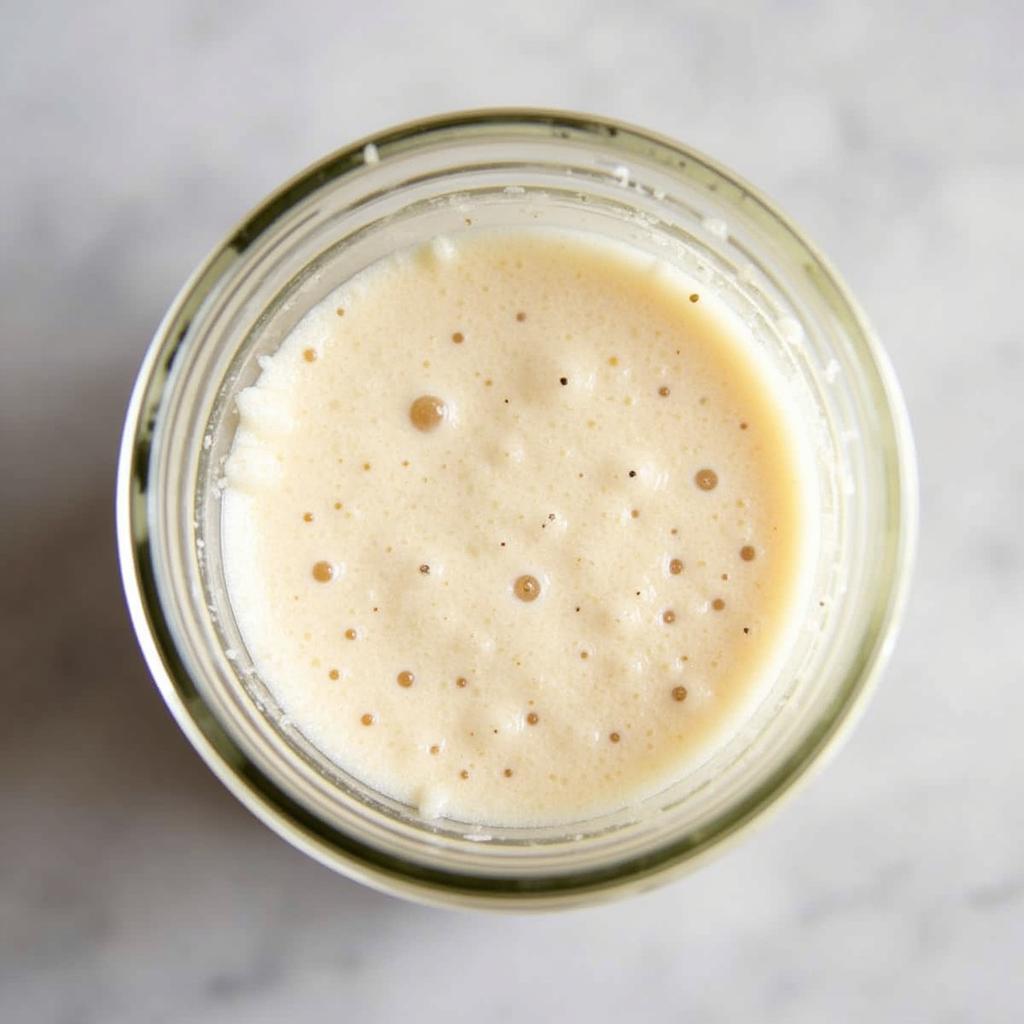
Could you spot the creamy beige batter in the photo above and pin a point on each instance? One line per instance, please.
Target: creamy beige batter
(515, 526)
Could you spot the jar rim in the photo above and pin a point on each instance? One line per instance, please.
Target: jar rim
(213, 742)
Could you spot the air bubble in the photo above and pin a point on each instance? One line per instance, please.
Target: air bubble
(427, 412)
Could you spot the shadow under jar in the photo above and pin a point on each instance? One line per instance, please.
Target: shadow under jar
(507, 169)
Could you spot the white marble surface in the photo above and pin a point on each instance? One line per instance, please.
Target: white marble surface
(133, 888)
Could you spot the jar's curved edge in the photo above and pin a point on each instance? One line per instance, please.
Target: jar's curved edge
(136, 564)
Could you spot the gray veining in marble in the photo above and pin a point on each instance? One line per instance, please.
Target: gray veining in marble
(133, 887)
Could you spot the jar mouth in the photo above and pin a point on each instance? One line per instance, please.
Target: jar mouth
(366, 187)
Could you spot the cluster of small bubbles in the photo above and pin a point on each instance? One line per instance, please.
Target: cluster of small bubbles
(706, 479)
(323, 572)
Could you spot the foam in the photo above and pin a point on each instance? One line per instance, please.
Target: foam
(473, 498)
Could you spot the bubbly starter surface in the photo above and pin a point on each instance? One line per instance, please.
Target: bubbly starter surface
(514, 526)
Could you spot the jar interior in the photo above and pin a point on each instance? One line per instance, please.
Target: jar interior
(504, 207)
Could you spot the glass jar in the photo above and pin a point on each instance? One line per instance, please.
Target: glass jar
(409, 184)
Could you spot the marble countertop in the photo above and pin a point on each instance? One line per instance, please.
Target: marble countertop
(134, 888)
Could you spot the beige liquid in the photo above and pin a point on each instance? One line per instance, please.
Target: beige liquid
(516, 526)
